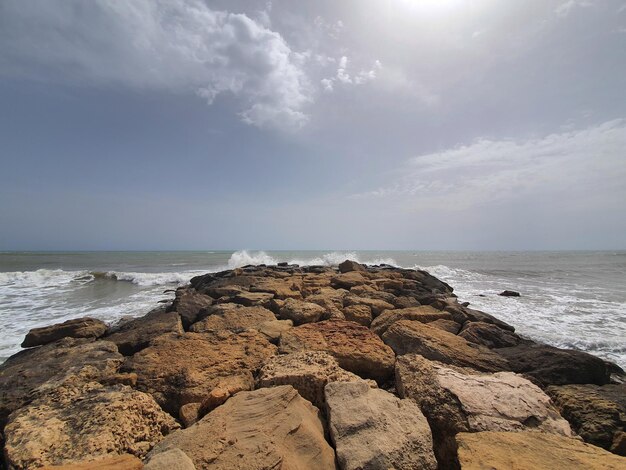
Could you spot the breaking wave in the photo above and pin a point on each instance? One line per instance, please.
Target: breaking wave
(244, 258)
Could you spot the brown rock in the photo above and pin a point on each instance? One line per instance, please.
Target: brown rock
(77, 328)
(488, 335)
(424, 314)
(191, 305)
(180, 369)
(348, 266)
(354, 346)
(348, 280)
(377, 306)
(361, 314)
(233, 317)
(252, 298)
(370, 292)
(405, 302)
(189, 413)
(112, 462)
(172, 459)
(532, 451)
(301, 312)
(408, 336)
(279, 288)
(264, 429)
(226, 388)
(446, 325)
(273, 329)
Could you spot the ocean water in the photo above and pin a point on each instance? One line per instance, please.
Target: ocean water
(569, 299)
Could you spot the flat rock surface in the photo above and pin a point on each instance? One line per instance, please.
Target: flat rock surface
(373, 429)
(113, 462)
(269, 428)
(424, 314)
(532, 451)
(134, 335)
(355, 347)
(76, 328)
(300, 312)
(233, 317)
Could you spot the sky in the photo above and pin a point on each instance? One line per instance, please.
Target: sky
(360, 124)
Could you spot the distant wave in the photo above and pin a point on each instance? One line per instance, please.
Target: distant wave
(244, 258)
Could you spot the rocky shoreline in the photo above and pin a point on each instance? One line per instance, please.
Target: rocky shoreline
(289, 367)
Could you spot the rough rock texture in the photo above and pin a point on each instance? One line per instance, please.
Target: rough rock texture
(135, 335)
(424, 314)
(233, 317)
(22, 374)
(264, 429)
(376, 305)
(373, 429)
(308, 372)
(180, 369)
(226, 388)
(349, 265)
(361, 314)
(553, 366)
(173, 459)
(488, 335)
(189, 413)
(252, 298)
(348, 280)
(272, 330)
(407, 336)
(112, 462)
(191, 305)
(300, 312)
(446, 325)
(532, 451)
(596, 413)
(457, 400)
(354, 346)
(78, 420)
(76, 328)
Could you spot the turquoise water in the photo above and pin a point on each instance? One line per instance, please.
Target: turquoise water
(569, 299)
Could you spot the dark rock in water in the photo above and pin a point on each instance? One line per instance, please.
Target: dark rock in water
(349, 265)
(465, 304)
(553, 366)
(191, 305)
(489, 335)
(77, 328)
(596, 413)
(282, 264)
(509, 293)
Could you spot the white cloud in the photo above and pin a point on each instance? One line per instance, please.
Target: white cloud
(567, 7)
(575, 166)
(176, 45)
(344, 77)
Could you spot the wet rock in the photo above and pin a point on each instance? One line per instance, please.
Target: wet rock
(532, 451)
(308, 372)
(509, 293)
(264, 429)
(424, 314)
(191, 305)
(180, 369)
(173, 459)
(348, 266)
(233, 317)
(112, 462)
(361, 314)
(355, 347)
(301, 312)
(596, 413)
(76, 328)
(408, 336)
(373, 429)
(489, 335)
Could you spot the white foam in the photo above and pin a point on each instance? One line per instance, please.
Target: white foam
(333, 258)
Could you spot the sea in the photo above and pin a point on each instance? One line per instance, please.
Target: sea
(568, 299)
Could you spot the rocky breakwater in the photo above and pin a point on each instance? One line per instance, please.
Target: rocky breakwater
(295, 368)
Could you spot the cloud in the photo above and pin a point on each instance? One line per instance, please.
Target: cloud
(577, 167)
(175, 45)
(567, 7)
(344, 77)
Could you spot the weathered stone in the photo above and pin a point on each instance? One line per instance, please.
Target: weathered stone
(274, 328)
(349, 265)
(370, 292)
(348, 280)
(377, 306)
(532, 451)
(354, 346)
(180, 369)
(373, 429)
(406, 336)
(189, 413)
(233, 317)
(489, 335)
(22, 374)
(361, 314)
(191, 305)
(76, 328)
(252, 298)
(135, 335)
(109, 462)
(462, 314)
(308, 372)
(226, 388)
(264, 429)
(405, 302)
(280, 289)
(446, 325)
(301, 312)
(424, 314)
(553, 366)
(596, 413)
(509, 293)
(172, 459)
(81, 420)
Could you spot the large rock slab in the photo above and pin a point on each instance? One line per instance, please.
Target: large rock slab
(79, 420)
(462, 400)
(489, 335)
(553, 366)
(349, 280)
(269, 428)
(349, 265)
(596, 413)
(76, 328)
(376, 305)
(424, 314)
(301, 312)
(355, 347)
(307, 371)
(22, 374)
(407, 336)
(373, 429)
(180, 369)
(233, 317)
(532, 451)
(191, 305)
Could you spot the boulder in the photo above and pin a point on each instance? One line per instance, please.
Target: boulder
(77, 328)
(81, 420)
(135, 335)
(531, 451)
(331, 300)
(109, 462)
(263, 429)
(25, 372)
(370, 292)
(361, 314)
(553, 366)
(424, 314)
(189, 413)
(233, 317)
(373, 429)
(279, 288)
(446, 325)
(301, 312)
(173, 459)
(308, 372)
(408, 336)
(180, 369)
(349, 265)
(191, 305)
(462, 314)
(509, 293)
(377, 306)
(226, 388)
(461, 400)
(488, 335)
(596, 413)
(405, 302)
(272, 330)
(349, 280)
(252, 298)
(355, 347)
